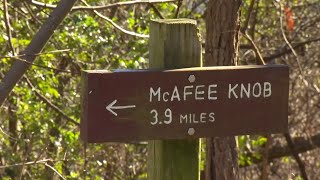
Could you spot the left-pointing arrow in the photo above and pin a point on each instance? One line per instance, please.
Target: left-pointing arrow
(111, 107)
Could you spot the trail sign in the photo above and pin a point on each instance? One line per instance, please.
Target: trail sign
(181, 103)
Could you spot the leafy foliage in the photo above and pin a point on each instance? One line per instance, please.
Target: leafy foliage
(38, 142)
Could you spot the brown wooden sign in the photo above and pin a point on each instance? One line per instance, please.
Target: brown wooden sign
(192, 102)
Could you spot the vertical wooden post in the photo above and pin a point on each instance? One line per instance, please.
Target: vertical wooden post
(174, 43)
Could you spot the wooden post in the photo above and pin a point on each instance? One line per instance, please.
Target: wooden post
(174, 43)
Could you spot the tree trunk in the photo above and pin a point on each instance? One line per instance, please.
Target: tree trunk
(222, 25)
(36, 45)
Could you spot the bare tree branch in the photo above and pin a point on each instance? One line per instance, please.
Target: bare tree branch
(300, 144)
(92, 8)
(156, 11)
(246, 22)
(288, 138)
(194, 7)
(6, 134)
(255, 49)
(116, 25)
(17, 57)
(296, 156)
(30, 163)
(39, 54)
(7, 24)
(36, 45)
(49, 103)
(265, 163)
(287, 135)
(54, 170)
(289, 44)
(178, 9)
(286, 50)
(27, 163)
(37, 65)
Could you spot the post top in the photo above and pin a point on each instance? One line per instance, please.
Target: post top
(176, 21)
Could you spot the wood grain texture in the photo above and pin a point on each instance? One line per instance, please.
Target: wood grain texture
(174, 44)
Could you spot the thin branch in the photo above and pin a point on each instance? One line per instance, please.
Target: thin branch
(26, 163)
(54, 170)
(30, 11)
(85, 163)
(12, 138)
(156, 11)
(317, 89)
(255, 49)
(36, 45)
(178, 9)
(49, 103)
(8, 26)
(290, 46)
(286, 50)
(246, 22)
(115, 25)
(16, 57)
(9, 34)
(38, 54)
(265, 162)
(296, 156)
(26, 154)
(301, 145)
(245, 34)
(41, 4)
(253, 20)
(93, 8)
(37, 65)
(194, 7)
(20, 11)
(43, 161)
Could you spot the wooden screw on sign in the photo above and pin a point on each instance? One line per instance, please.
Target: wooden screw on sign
(174, 44)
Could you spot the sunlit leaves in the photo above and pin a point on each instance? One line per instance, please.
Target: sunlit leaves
(249, 147)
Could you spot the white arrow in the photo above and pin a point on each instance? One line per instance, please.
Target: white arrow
(111, 106)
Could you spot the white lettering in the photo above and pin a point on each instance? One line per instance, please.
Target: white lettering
(154, 93)
(165, 96)
(232, 90)
(250, 90)
(210, 91)
(199, 92)
(195, 119)
(168, 114)
(183, 118)
(244, 90)
(155, 116)
(254, 89)
(185, 93)
(203, 117)
(190, 118)
(267, 89)
(211, 117)
(175, 94)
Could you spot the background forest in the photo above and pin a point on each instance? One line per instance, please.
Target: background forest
(39, 121)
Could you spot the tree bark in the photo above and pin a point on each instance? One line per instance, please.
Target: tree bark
(222, 25)
(36, 45)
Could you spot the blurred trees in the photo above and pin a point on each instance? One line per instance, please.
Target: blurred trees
(39, 120)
